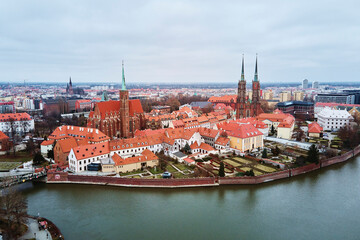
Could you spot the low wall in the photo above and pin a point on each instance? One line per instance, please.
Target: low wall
(254, 180)
(304, 169)
(63, 177)
(131, 182)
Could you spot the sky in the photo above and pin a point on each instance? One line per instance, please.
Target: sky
(179, 41)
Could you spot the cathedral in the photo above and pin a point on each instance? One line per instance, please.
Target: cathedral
(246, 107)
(118, 119)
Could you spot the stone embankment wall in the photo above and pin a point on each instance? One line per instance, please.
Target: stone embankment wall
(62, 177)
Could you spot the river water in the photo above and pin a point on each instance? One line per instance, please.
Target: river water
(324, 204)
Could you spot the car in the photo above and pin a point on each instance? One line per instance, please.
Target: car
(166, 175)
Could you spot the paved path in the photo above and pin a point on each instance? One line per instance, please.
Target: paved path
(34, 228)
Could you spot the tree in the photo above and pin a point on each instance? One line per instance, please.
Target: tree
(349, 135)
(38, 159)
(162, 164)
(300, 135)
(221, 170)
(13, 212)
(50, 154)
(276, 151)
(264, 153)
(173, 103)
(30, 146)
(11, 132)
(313, 154)
(272, 130)
(187, 148)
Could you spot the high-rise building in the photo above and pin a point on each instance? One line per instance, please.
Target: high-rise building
(298, 96)
(315, 84)
(285, 96)
(268, 95)
(248, 107)
(305, 84)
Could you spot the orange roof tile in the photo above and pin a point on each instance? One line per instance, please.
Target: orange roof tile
(91, 150)
(67, 144)
(314, 128)
(47, 142)
(146, 155)
(90, 134)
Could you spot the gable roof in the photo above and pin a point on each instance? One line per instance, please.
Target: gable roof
(91, 150)
(146, 155)
(67, 144)
(79, 133)
(314, 128)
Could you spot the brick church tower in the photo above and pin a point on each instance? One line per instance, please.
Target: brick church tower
(241, 95)
(256, 105)
(246, 107)
(124, 107)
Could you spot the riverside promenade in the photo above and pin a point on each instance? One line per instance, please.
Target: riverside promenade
(64, 177)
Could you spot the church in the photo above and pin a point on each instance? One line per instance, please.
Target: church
(246, 107)
(118, 119)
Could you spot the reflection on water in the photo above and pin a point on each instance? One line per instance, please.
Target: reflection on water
(322, 202)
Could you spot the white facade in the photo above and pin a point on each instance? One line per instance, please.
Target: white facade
(80, 165)
(20, 127)
(333, 120)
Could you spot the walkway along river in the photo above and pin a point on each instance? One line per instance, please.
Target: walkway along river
(322, 204)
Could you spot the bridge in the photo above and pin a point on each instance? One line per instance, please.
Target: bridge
(17, 179)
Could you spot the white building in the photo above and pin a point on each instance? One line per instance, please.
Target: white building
(20, 123)
(332, 119)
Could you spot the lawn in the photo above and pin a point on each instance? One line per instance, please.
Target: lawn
(246, 169)
(243, 160)
(6, 166)
(265, 168)
(169, 168)
(157, 171)
(180, 166)
(235, 164)
(19, 157)
(131, 173)
(257, 173)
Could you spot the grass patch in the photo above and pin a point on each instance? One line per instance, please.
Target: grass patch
(232, 163)
(243, 160)
(19, 157)
(265, 168)
(246, 169)
(180, 166)
(169, 168)
(6, 166)
(131, 173)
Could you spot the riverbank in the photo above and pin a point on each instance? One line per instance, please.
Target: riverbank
(64, 177)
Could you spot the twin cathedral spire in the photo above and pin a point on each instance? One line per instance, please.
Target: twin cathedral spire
(248, 107)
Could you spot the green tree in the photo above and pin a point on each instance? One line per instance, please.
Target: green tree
(313, 154)
(38, 159)
(264, 153)
(221, 170)
(272, 130)
(276, 151)
(50, 154)
(187, 148)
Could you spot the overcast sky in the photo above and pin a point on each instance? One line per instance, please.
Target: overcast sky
(178, 41)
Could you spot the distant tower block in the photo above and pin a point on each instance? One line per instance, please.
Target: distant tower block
(305, 84)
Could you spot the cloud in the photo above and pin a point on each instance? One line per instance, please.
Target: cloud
(178, 41)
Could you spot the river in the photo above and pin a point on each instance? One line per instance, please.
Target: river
(324, 204)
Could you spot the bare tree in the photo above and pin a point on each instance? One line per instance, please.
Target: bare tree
(13, 211)
(12, 133)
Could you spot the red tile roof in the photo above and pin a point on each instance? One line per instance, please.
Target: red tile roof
(314, 128)
(91, 150)
(146, 155)
(67, 144)
(90, 134)
(3, 135)
(47, 142)
(222, 141)
(4, 117)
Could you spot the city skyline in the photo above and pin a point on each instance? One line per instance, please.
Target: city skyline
(179, 42)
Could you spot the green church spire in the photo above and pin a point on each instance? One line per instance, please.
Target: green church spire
(242, 69)
(123, 88)
(256, 71)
